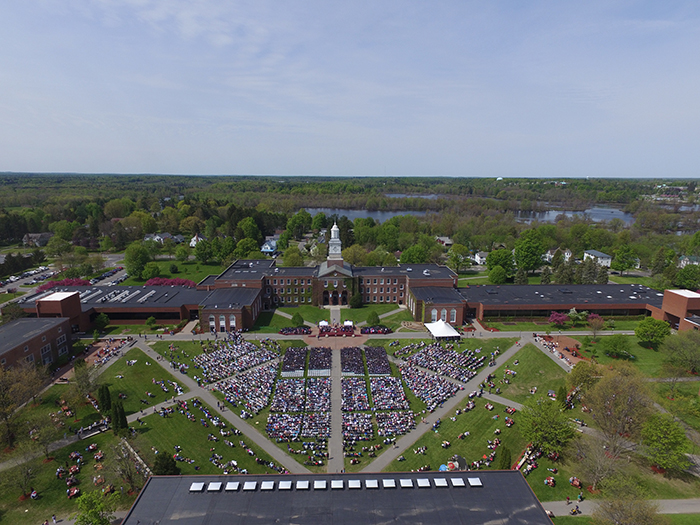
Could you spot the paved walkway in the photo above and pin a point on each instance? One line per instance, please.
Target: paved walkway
(336, 459)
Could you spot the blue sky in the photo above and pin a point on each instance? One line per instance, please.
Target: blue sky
(444, 88)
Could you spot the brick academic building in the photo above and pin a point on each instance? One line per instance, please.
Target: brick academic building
(235, 298)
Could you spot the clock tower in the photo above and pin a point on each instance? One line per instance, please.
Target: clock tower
(335, 255)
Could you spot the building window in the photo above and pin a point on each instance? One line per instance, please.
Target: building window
(29, 358)
(43, 338)
(296, 290)
(395, 281)
(60, 329)
(63, 350)
(453, 316)
(335, 284)
(61, 340)
(433, 315)
(375, 281)
(212, 323)
(3, 361)
(394, 289)
(289, 290)
(381, 290)
(289, 281)
(443, 315)
(296, 299)
(232, 321)
(381, 281)
(401, 294)
(394, 298)
(381, 298)
(46, 356)
(26, 349)
(367, 299)
(401, 287)
(274, 281)
(325, 284)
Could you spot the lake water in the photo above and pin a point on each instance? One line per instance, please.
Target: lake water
(431, 197)
(380, 216)
(595, 214)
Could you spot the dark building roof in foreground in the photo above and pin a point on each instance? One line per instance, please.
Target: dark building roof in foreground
(17, 332)
(454, 498)
(230, 297)
(438, 295)
(551, 295)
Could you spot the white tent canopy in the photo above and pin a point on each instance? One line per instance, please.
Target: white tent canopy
(323, 323)
(441, 329)
(348, 323)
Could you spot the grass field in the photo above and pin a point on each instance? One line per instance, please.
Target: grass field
(52, 491)
(269, 323)
(310, 314)
(9, 296)
(685, 403)
(164, 433)
(648, 361)
(394, 321)
(534, 369)
(651, 282)
(136, 380)
(191, 270)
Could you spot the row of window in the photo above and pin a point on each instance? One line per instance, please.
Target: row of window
(280, 291)
(443, 315)
(381, 290)
(381, 281)
(289, 299)
(289, 281)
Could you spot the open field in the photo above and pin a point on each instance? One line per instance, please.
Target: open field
(192, 270)
(647, 360)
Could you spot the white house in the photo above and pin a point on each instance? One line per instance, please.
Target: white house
(480, 258)
(549, 256)
(603, 259)
(196, 239)
(685, 260)
(269, 247)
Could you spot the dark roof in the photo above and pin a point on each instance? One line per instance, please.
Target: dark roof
(241, 269)
(230, 297)
(19, 331)
(209, 280)
(437, 294)
(555, 294)
(105, 297)
(412, 270)
(455, 498)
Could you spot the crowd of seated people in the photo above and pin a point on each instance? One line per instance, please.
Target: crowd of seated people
(320, 358)
(318, 394)
(407, 349)
(430, 388)
(251, 389)
(375, 330)
(223, 358)
(354, 394)
(377, 361)
(445, 361)
(295, 330)
(351, 361)
(294, 359)
(395, 423)
(357, 426)
(316, 424)
(388, 393)
(336, 330)
(289, 396)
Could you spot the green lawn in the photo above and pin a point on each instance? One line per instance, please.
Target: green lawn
(52, 491)
(647, 360)
(651, 282)
(311, 314)
(164, 433)
(534, 369)
(269, 323)
(541, 326)
(685, 403)
(394, 321)
(137, 380)
(479, 423)
(9, 296)
(359, 315)
(192, 270)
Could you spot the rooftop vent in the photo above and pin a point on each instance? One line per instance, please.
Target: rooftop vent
(565, 290)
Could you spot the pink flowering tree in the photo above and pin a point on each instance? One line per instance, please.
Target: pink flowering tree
(558, 318)
(162, 281)
(64, 282)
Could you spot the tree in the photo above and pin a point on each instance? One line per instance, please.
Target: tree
(595, 464)
(319, 221)
(546, 275)
(683, 350)
(135, 259)
(373, 319)
(602, 276)
(174, 269)
(458, 257)
(520, 277)
(497, 275)
(150, 271)
(104, 398)
(558, 319)
(623, 505)
(583, 376)
(18, 385)
(545, 425)
(95, 508)
(22, 467)
(619, 404)
(415, 254)
(203, 251)
(356, 301)
(505, 461)
(292, 257)
(577, 317)
(118, 417)
(299, 224)
(617, 345)
(652, 331)
(297, 319)
(688, 277)
(665, 442)
(625, 259)
(57, 246)
(557, 260)
(561, 397)
(529, 249)
(84, 377)
(44, 432)
(502, 258)
(250, 230)
(355, 255)
(596, 323)
(11, 312)
(101, 322)
(566, 273)
(151, 322)
(182, 253)
(244, 247)
(124, 466)
(165, 465)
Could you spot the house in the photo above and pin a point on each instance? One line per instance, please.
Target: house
(162, 237)
(269, 247)
(549, 256)
(685, 260)
(603, 259)
(445, 241)
(37, 239)
(480, 258)
(197, 237)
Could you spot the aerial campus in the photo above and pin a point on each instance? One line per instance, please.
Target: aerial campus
(172, 334)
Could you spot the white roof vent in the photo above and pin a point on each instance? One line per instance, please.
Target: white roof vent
(214, 486)
(336, 484)
(232, 486)
(406, 483)
(250, 485)
(320, 484)
(389, 483)
(197, 487)
(354, 484)
(302, 485)
(285, 485)
(423, 483)
(371, 484)
(267, 485)
(457, 482)
(475, 482)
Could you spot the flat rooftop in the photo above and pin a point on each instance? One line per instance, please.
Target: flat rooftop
(438, 295)
(20, 331)
(551, 295)
(58, 296)
(686, 293)
(454, 498)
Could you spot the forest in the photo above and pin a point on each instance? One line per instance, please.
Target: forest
(97, 213)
